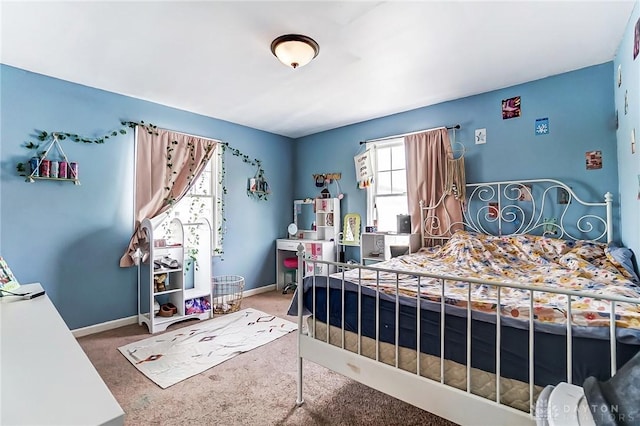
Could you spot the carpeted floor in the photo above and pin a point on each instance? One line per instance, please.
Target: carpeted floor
(254, 388)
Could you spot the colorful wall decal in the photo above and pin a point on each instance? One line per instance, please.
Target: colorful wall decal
(511, 108)
(542, 126)
(594, 160)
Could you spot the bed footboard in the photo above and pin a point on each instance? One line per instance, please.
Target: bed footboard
(353, 327)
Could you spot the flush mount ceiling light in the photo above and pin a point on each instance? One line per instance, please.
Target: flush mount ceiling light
(295, 50)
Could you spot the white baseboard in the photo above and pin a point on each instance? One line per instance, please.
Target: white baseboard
(110, 325)
(258, 290)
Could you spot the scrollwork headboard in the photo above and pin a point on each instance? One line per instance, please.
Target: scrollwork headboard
(535, 206)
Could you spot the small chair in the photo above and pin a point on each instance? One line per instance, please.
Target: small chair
(291, 268)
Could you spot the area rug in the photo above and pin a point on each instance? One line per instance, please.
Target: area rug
(177, 355)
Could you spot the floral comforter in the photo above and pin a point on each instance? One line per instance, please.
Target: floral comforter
(524, 259)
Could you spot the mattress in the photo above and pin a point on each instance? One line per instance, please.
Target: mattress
(376, 314)
(512, 392)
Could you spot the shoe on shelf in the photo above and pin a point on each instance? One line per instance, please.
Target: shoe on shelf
(168, 310)
(168, 262)
(157, 264)
(173, 308)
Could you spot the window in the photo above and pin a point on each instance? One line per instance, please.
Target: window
(387, 197)
(202, 201)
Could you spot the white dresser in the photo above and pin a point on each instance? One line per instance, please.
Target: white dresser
(46, 377)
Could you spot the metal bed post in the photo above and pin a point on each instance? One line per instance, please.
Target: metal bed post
(569, 342)
(498, 340)
(300, 254)
(612, 338)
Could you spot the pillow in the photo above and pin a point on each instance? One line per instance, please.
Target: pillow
(622, 256)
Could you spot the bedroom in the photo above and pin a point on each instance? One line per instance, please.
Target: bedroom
(70, 238)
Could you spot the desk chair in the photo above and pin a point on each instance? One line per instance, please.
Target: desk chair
(291, 268)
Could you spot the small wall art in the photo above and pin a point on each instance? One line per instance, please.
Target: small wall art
(633, 141)
(636, 40)
(563, 196)
(481, 136)
(525, 192)
(511, 108)
(619, 75)
(626, 102)
(493, 210)
(542, 126)
(594, 160)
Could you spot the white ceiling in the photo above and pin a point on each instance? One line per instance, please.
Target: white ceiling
(376, 58)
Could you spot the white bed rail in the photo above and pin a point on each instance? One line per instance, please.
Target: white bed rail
(431, 395)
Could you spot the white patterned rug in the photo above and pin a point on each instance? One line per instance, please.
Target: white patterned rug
(177, 355)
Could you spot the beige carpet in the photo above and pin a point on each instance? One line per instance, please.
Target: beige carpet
(254, 388)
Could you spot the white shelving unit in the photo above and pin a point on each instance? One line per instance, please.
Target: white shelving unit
(326, 215)
(376, 246)
(327, 218)
(185, 282)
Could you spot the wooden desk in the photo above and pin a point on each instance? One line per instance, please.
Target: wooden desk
(45, 376)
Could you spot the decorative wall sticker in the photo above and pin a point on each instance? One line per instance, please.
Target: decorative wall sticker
(542, 126)
(633, 141)
(636, 40)
(526, 192)
(481, 136)
(511, 108)
(626, 102)
(594, 160)
(619, 75)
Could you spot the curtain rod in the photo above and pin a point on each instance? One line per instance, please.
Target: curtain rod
(193, 136)
(457, 126)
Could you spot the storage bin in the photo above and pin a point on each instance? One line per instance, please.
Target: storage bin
(227, 293)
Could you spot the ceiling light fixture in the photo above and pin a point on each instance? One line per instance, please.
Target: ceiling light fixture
(295, 50)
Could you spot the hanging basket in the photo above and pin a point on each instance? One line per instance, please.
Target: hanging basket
(227, 293)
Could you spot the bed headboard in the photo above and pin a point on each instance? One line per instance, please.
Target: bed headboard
(535, 206)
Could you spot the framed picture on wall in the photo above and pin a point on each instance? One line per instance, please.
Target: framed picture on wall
(511, 108)
(594, 160)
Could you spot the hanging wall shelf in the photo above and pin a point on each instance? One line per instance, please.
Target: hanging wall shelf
(42, 168)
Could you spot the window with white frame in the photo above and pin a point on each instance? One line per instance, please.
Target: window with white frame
(204, 200)
(387, 197)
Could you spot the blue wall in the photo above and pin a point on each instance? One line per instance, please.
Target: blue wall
(580, 108)
(70, 238)
(628, 163)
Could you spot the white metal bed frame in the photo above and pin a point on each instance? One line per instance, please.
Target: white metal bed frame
(438, 397)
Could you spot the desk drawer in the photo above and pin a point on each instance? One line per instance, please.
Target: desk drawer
(288, 245)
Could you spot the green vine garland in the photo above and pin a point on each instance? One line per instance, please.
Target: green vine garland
(153, 130)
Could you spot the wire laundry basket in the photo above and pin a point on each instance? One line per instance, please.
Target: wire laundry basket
(227, 293)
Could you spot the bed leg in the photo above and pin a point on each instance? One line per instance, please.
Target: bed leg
(299, 400)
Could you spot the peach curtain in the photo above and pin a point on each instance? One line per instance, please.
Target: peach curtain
(426, 159)
(167, 165)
